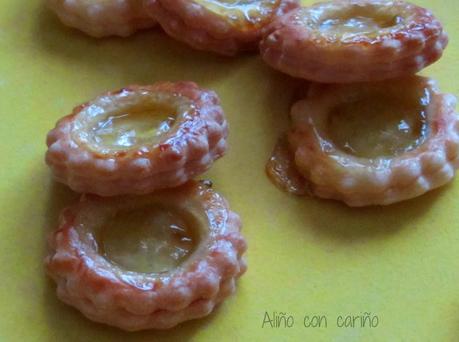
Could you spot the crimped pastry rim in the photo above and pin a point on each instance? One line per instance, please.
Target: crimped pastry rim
(300, 52)
(203, 29)
(105, 295)
(187, 151)
(390, 179)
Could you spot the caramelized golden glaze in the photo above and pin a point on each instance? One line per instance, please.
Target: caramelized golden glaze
(352, 41)
(132, 128)
(379, 125)
(148, 262)
(243, 14)
(149, 240)
(354, 24)
(368, 19)
(282, 171)
(143, 121)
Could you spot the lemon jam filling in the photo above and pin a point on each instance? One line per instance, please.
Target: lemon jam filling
(358, 20)
(379, 126)
(243, 13)
(149, 240)
(134, 127)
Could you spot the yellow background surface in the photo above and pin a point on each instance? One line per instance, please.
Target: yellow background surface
(306, 256)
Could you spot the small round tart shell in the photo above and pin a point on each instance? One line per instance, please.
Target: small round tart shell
(182, 148)
(107, 293)
(192, 139)
(354, 41)
(223, 27)
(103, 18)
(334, 171)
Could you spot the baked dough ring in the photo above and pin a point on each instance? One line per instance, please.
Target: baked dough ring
(106, 292)
(377, 143)
(103, 18)
(354, 41)
(138, 139)
(221, 26)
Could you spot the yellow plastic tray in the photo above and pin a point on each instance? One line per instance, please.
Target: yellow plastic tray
(306, 257)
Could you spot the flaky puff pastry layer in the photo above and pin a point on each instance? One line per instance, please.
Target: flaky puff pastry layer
(194, 141)
(223, 27)
(108, 294)
(333, 173)
(103, 18)
(326, 42)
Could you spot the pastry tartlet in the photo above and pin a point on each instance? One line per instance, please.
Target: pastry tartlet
(375, 143)
(147, 262)
(221, 26)
(103, 18)
(138, 139)
(354, 41)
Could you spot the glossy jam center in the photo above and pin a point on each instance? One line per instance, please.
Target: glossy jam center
(358, 21)
(378, 126)
(242, 13)
(136, 127)
(152, 240)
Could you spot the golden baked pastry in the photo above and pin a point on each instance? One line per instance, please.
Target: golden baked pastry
(354, 41)
(138, 139)
(222, 26)
(375, 143)
(147, 262)
(103, 18)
